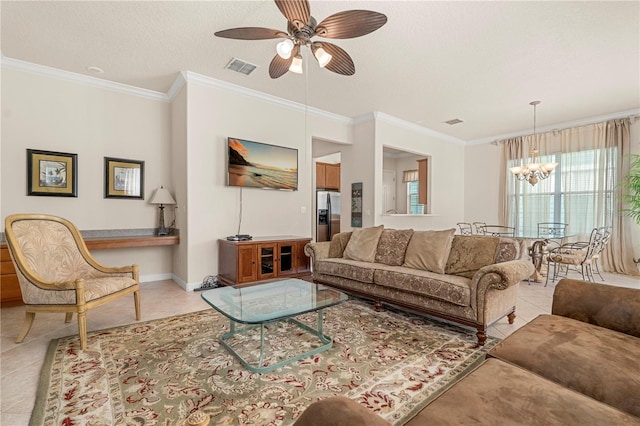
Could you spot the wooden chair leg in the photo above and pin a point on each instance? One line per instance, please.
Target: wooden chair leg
(136, 300)
(68, 316)
(82, 329)
(28, 322)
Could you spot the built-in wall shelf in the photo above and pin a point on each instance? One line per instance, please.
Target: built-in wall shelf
(123, 242)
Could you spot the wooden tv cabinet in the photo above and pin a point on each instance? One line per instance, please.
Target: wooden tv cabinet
(262, 258)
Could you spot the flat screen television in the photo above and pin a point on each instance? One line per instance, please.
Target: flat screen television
(260, 165)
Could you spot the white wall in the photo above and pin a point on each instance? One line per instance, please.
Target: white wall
(357, 159)
(180, 184)
(45, 113)
(481, 183)
(213, 209)
(182, 144)
(447, 174)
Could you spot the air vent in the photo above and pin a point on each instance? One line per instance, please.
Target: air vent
(243, 67)
(454, 121)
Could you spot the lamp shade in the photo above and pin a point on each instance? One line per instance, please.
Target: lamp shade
(322, 56)
(296, 65)
(284, 48)
(162, 196)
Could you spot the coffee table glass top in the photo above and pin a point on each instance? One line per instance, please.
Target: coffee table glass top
(271, 301)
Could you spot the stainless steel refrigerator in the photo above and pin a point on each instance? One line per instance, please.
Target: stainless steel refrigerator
(327, 215)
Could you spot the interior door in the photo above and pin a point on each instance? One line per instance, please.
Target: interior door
(389, 192)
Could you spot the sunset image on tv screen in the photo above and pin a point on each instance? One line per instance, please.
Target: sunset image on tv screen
(260, 165)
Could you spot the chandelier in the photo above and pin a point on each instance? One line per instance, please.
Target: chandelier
(534, 171)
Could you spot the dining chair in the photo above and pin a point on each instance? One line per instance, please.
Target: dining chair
(479, 227)
(499, 230)
(606, 237)
(465, 228)
(57, 273)
(573, 255)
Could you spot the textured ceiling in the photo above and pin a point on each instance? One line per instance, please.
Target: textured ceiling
(481, 62)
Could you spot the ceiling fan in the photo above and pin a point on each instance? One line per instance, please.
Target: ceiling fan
(302, 27)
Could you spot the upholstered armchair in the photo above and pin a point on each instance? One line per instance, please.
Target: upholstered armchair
(57, 273)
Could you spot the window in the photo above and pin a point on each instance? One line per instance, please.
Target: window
(582, 181)
(413, 207)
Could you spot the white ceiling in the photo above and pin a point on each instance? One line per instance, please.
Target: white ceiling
(479, 61)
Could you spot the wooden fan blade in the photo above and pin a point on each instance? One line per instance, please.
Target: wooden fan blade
(251, 33)
(350, 24)
(279, 66)
(296, 11)
(341, 62)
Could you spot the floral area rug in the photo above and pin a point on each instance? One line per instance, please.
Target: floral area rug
(159, 372)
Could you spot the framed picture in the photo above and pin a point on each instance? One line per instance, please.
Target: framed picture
(52, 174)
(123, 178)
(356, 205)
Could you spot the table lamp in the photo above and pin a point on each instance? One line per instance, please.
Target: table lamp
(162, 197)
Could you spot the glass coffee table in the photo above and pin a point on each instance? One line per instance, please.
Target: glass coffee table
(261, 304)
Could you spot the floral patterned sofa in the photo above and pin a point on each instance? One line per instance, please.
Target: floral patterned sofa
(468, 279)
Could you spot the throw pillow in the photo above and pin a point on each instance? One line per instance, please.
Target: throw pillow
(392, 246)
(338, 244)
(470, 253)
(429, 250)
(363, 244)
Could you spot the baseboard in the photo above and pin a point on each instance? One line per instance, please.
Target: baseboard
(169, 276)
(185, 285)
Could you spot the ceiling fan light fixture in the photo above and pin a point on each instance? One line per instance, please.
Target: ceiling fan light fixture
(322, 56)
(284, 48)
(296, 64)
(302, 27)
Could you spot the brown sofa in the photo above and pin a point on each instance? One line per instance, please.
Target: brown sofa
(577, 366)
(468, 279)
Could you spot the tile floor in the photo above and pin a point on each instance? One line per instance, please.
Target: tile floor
(20, 364)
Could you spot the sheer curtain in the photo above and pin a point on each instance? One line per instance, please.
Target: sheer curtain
(581, 191)
(618, 256)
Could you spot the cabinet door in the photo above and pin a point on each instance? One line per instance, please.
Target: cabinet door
(247, 270)
(9, 285)
(267, 261)
(302, 260)
(321, 175)
(287, 258)
(332, 176)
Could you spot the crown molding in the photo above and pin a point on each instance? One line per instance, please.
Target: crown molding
(559, 126)
(192, 77)
(381, 116)
(176, 86)
(86, 80)
(181, 79)
(370, 116)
